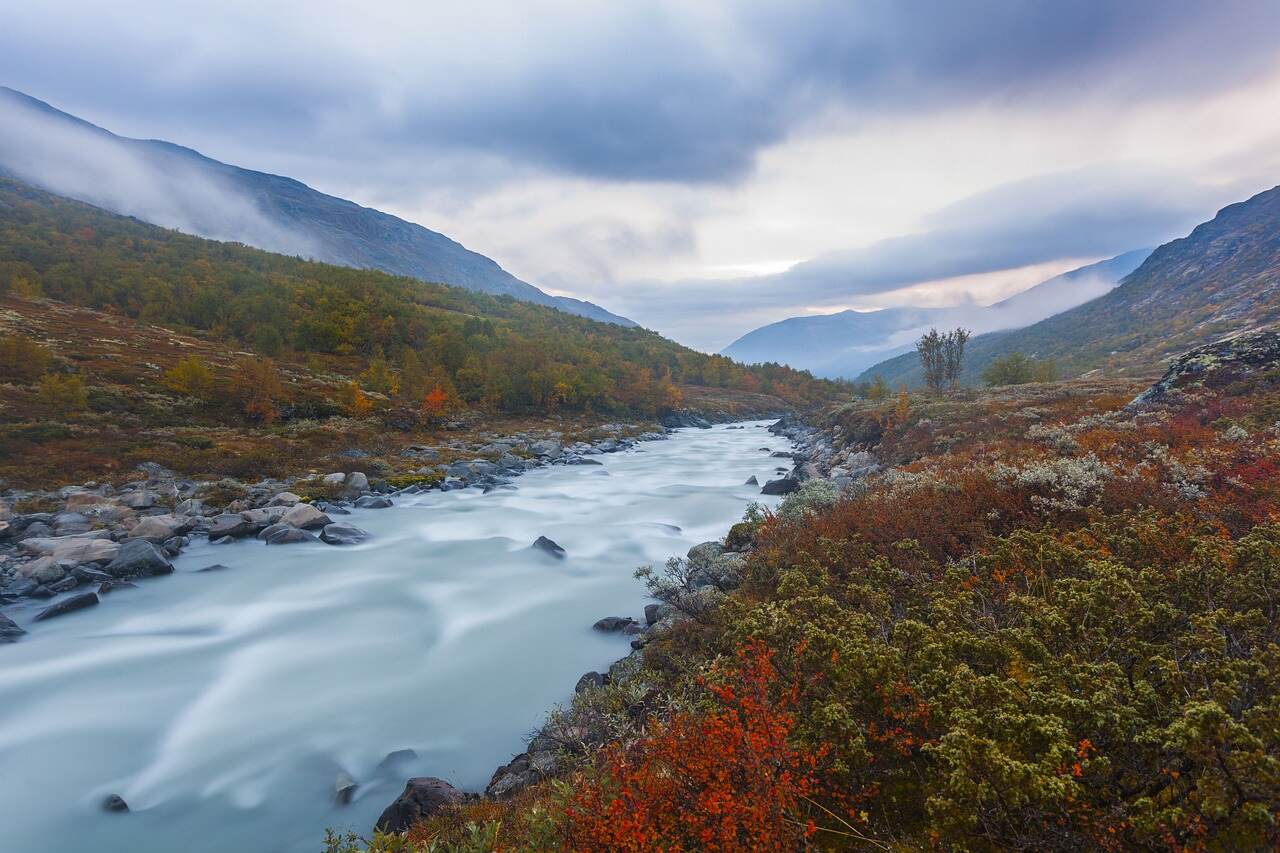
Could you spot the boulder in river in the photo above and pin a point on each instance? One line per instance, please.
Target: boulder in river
(115, 803)
(752, 481)
(547, 546)
(68, 605)
(229, 524)
(393, 760)
(610, 624)
(422, 797)
(139, 558)
(305, 517)
(340, 533)
(283, 534)
(373, 502)
(9, 630)
(780, 486)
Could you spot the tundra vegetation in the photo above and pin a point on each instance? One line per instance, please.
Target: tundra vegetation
(1051, 625)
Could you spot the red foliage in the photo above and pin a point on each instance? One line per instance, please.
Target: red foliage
(726, 779)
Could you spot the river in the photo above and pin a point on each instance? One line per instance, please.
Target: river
(223, 705)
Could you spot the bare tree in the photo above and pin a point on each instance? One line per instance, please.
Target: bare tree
(942, 357)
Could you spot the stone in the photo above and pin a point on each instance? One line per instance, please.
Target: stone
(356, 483)
(107, 587)
(45, 570)
(287, 535)
(373, 502)
(70, 524)
(613, 623)
(655, 613)
(781, 486)
(284, 499)
(83, 500)
(9, 630)
(140, 499)
(340, 533)
(68, 605)
(752, 481)
(139, 558)
(88, 575)
(115, 803)
(304, 517)
(94, 547)
(548, 546)
(67, 584)
(337, 478)
(588, 681)
(213, 567)
(262, 516)
(344, 789)
(231, 525)
(547, 448)
(393, 760)
(422, 797)
(158, 528)
(191, 506)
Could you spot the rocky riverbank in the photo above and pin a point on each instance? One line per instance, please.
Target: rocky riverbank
(69, 548)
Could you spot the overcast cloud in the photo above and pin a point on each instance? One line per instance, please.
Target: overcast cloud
(652, 157)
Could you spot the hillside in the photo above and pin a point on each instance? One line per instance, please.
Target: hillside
(117, 338)
(177, 187)
(846, 343)
(1224, 277)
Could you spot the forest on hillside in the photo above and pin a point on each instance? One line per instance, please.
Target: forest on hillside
(396, 337)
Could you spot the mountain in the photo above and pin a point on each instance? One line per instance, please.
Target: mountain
(176, 187)
(846, 343)
(1223, 278)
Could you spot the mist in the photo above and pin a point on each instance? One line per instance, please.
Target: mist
(154, 181)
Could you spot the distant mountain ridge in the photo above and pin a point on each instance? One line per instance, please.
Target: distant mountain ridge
(177, 187)
(1222, 278)
(846, 343)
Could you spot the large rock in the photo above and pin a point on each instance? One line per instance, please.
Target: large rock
(68, 605)
(93, 547)
(547, 449)
(139, 558)
(373, 502)
(283, 534)
(610, 624)
(140, 499)
(340, 533)
(284, 499)
(304, 517)
(355, 483)
(229, 524)
(262, 516)
(422, 797)
(1215, 365)
(158, 528)
(548, 546)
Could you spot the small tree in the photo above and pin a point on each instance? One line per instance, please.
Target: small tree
(256, 387)
(878, 389)
(63, 394)
(942, 357)
(438, 403)
(1017, 369)
(22, 358)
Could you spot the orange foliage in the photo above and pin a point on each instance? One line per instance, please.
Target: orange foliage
(726, 779)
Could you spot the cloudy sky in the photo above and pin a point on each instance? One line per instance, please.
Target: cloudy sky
(708, 167)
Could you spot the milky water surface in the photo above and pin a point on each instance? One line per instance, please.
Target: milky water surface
(222, 705)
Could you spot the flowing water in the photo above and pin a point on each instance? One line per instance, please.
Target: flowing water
(223, 705)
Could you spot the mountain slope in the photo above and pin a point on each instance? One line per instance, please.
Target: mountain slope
(846, 343)
(177, 187)
(1224, 277)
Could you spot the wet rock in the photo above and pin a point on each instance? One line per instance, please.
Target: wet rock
(780, 486)
(752, 481)
(547, 546)
(655, 613)
(65, 585)
(115, 803)
(285, 535)
(9, 630)
(340, 533)
(422, 797)
(139, 558)
(305, 517)
(108, 587)
(373, 502)
(344, 789)
(68, 605)
(20, 588)
(215, 567)
(610, 624)
(231, 525)
(88, 575)
(588, 681)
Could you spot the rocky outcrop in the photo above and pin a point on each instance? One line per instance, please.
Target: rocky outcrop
(1214, 365)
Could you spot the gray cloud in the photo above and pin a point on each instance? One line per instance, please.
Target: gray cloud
(653, 92)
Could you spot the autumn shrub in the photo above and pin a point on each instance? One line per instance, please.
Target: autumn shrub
(191, 377)
(22, 358)
(726, 778)
(63, 394)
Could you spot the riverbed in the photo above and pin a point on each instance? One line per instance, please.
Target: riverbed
(222, 705)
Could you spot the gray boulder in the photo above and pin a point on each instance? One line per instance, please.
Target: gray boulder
(9, 630)
(139, 558)
(285, 535)
(589, 681)
(780, 486)
(548, 546)
(340, 533)
(613, 623)
(373, 502)
(305, 517)
(422, 797)
(115, 803)
(229, 524)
